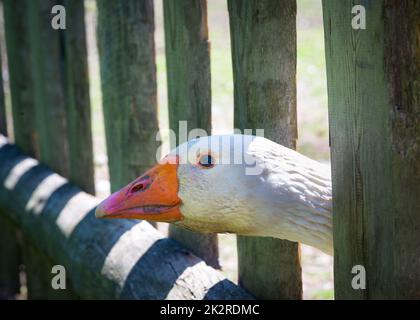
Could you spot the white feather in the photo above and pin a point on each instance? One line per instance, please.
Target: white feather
(274, 191)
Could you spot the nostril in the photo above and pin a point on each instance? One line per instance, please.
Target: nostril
(137, 188)
(141, 185)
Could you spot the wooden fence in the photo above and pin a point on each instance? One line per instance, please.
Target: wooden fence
(374, 94)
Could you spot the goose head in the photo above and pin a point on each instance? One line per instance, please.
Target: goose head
(238, 184)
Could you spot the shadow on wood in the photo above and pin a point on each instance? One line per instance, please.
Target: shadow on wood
(104, 259)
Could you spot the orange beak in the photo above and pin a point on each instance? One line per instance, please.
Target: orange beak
(153, 196)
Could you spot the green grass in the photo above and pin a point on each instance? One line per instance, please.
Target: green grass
(311, 82)
(323, 295)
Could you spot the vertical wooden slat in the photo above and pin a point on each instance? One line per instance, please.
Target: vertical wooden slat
(48, 74)
(189, 92)
(263, 35)
(50, 66)
(50, 88)
(3, 121)
(20, 75)
(61, 87)
(81, 171)
(374, 108)
(188, 64)
(9, 248)
(54, 95)
(47, 61)
(24, 130)
(128, 74)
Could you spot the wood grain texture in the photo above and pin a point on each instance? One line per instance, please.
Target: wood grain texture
(3, 120)
(104, 259)
(263, 35)
(374, 109)
(188, 64)
(47, 63)
(81, 171)
(128, 75)
(9, 253)
(189, 92)
(20, 75)
(23, 110)
(49, 75)
(50, 88)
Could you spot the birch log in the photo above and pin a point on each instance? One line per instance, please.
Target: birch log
(104, 259)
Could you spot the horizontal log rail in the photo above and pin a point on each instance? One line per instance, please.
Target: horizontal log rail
(113, 259)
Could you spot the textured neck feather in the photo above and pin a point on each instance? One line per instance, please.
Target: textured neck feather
(289, 198)
(298, 206)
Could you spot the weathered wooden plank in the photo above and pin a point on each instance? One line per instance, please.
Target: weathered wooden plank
(65, 72)
(128, 76)
(188, 64)
(48, 71)
(374, 108)
(81, 171)
(20, 75)
(3, 120)
(105, 259)
(189, 92)
(9, 251)
(263, 35)
(47, 61)
(21, 87)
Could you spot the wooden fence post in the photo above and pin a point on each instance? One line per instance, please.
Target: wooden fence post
(50, 102)
(189, 92)
(20, 75)
(263, 35)
(61, 90)
(47, 60)
(81, 170)
(374, 105)
(128, 74)
(3, 121)
(9, 249)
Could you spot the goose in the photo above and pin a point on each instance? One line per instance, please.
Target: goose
(242, 184)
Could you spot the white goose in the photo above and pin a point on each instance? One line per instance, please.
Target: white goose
(233, 183)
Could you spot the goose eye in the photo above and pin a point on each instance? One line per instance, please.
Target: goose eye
(206, 161)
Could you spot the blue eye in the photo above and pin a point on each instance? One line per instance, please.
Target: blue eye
(206, 161)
